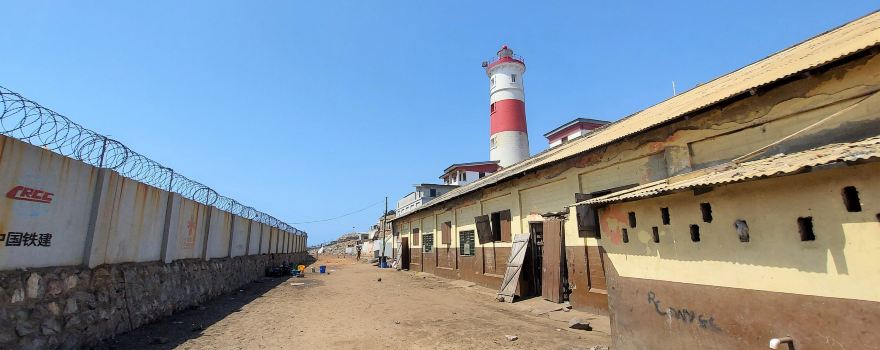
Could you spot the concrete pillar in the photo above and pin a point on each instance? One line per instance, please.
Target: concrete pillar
(247, 244)
(260, 250)
(169, 232)
(231, 236)
(90, 258)
(207, 232)
(270, 241)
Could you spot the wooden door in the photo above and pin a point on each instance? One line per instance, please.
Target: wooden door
(514, 268)
(404, 253)
(551, 274)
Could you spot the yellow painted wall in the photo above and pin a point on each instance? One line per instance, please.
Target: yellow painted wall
(841, 262)
(703, 139)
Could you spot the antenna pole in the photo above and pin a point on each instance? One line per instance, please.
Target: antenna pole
(384, 215)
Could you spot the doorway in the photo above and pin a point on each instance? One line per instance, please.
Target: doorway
(531, 273)
(404, 253)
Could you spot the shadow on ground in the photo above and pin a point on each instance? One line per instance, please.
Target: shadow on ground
(174, 330)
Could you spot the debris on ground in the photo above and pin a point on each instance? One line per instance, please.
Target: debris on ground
(297, 284)
(511, 337)
(379, 279)
(599, 347)
(396, 322)
(578, 323)
(546, 310)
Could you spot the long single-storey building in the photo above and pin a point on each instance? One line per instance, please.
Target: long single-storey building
(816, 97)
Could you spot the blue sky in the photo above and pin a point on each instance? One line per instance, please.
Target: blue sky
(310, 110)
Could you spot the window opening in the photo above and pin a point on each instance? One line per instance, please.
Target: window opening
(851, 199)
(706, 210)
(695, 233)
(805, 228)
(664, 215)
(742, 230)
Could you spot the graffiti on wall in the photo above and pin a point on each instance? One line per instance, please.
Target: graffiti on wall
(26, 239)
(684, 315)
(190, 241)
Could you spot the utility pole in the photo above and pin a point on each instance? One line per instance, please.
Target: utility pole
(384, 215)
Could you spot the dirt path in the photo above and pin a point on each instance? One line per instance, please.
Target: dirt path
(351, 309)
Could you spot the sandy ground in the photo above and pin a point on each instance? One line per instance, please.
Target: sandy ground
(350, 309)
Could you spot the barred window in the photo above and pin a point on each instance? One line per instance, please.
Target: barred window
(466, 246)
(427, 242)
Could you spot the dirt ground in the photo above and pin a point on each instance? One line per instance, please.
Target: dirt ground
(349, 308)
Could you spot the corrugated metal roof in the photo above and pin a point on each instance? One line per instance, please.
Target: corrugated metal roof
(830, 46)
(778, 165)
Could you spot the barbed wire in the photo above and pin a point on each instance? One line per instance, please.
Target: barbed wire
(30, 122)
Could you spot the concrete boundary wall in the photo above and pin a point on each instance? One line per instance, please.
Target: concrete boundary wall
(44, 215)
(238, 244)
(254, 232)
(62, 212)
(220, 233)
(265, 239)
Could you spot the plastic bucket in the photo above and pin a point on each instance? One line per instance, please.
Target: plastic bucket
(323, 269)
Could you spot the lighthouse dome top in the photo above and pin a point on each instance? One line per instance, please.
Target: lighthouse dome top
(504, 55)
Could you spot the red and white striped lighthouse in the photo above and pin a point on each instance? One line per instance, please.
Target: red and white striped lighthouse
(509, 140)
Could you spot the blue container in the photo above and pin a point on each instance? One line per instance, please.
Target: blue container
(323, 269)
(383, 264)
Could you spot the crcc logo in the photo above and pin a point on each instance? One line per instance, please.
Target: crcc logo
(23, 193)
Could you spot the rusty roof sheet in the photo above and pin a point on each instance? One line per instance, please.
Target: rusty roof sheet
(822, 49)
(778, 165)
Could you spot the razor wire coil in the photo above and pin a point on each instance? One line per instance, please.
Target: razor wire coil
(28, 121)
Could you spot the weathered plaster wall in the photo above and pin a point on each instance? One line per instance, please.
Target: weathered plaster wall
(840, 263)
(724, 293)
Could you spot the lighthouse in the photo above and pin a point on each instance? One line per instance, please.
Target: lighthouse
(509, 139)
